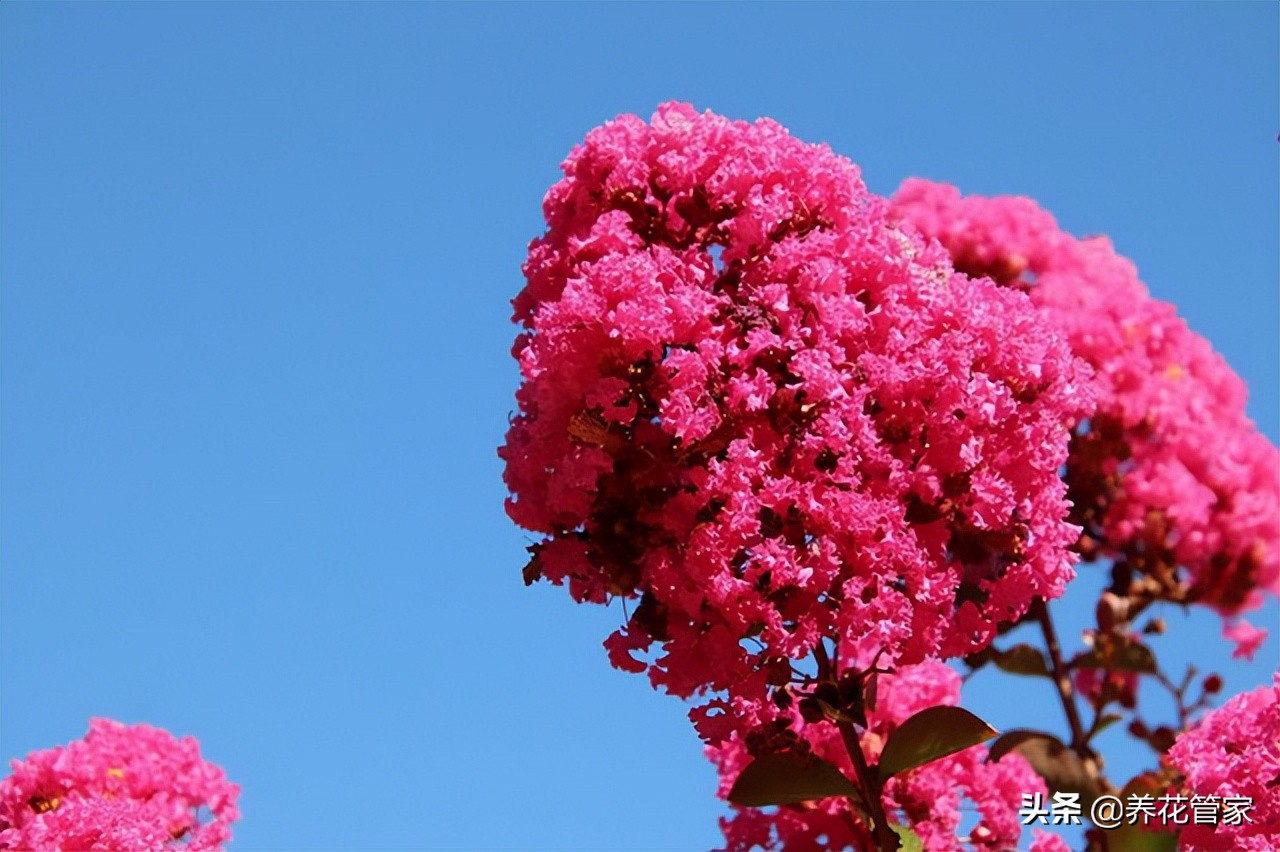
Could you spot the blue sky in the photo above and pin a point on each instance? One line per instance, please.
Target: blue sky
(256, 263)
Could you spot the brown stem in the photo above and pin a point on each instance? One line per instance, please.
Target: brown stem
(885, 838)
(1040, 611)
(1179, 694)
(825, 671)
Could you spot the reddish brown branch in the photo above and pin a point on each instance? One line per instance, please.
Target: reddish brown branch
(1058, 669)
(885, 838)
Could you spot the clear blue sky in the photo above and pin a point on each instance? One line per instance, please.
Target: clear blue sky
(254, 334)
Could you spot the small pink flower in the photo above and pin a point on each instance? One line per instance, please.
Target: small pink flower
(121, 787)
(1248, 638)
(1047, 842)
(1169, 469)
(1234, 754)
(754, 403)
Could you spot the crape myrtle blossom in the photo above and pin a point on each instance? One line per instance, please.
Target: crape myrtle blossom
(1247, 637)
(1235, 752)
(1045, 841)
(752, 402)
(1169, 472)
(928, 798)
(826, 441)
(126, 787)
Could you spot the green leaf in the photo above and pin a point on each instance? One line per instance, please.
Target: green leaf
(908, 840)
(1139, 838)
(930, 734)
(1021, 659)
(1127, 655)
(786, 778)
(1103, 723)
(1060, 767)
(1010, 740)
(978, 659)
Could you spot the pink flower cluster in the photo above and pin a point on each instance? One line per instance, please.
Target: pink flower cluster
(778, 409)
(1235, 752)
(121, 787)
(1169, 471)
(927, 798)
(752, 401)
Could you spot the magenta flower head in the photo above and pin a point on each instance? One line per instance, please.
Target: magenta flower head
(1232, 758)
(125, 787)
(1168, 478)
(754, 403)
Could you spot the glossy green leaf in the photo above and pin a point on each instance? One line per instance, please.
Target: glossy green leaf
(930, 734)
(1021, 659)
(787, 778)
